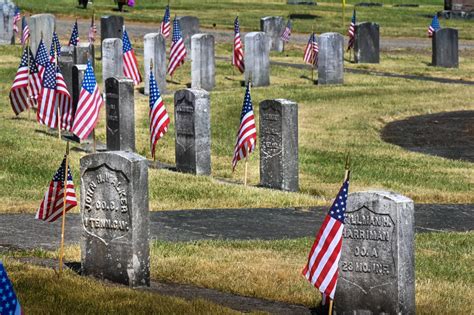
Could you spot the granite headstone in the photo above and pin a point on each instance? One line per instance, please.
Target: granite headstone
(155, 49)
(257, 59)
(273, 27)
(331, 59)
(84, 52)
(111, 26)
(7, 9)
(112, 58)
(202, 64)
(445, 48)
(41, 25)
(189, 26)
(66, 62)
(367, 43)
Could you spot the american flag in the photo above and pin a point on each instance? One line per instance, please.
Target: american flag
(51, 207)
(25, 31)
(434, 26)
(35, 78)
(285, 36)
(238, 53)
(351, 31)
(166, 24)
(311, 51)
(55, 49)
(88, 106)
(159, 119)
(92, 31)
(178, 51)
(247, 134)
(41, 59)
(9, 303)
(16, 19)
(130, 64)
(64, 100)
(74, 40)
(322, 266)
(19, 94)
(47, 105)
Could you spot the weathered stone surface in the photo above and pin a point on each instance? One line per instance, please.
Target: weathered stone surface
(257, 60)
(367, 43)
(66, 62)
(331, 59)
(279, 144)
(193, 131)
(377, 266)
(445, 48)
(115, 219)
(41, 24)
(112, 58)
(273, 27)
(120, 118)
(155, 49)
(84, 52)
(77, 78)
(189, 26)
(111, 26)
(7, 11)
(203, 63)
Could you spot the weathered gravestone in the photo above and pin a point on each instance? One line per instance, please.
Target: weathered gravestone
(112, 58)
(377, 266)
(111, 26)
(120, 120)
(367, 43)
(154, 48)
(189, 26)
(273, 27)
(6, 22)
(331, 59)
(445, 48)
(203, 64)
(279, 144)
(66, 62)
(114, 215)
(41, 25)
(84, 52)
(257, 60)
(193, 131)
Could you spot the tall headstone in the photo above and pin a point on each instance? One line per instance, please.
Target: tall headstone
(154, 48)
(257, 59)
(203, 64)
(111, 26)
(41, 24)
(367, 43)
(66, 62)
(377, 266)
(7, 9)
(279, 144)
(192, 115)
(112, 58)
(273, 27)
(331, 59)
(120, 108)
(114, 215)
(189, 26)
(445, 48)
(84, 52)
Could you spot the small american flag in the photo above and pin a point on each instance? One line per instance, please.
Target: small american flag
(74, 40)
(247, 133)
(322, 266)
(16, 19)
(351, 31)
(55, 49)
(25, 31)
(130, 64)
(285, 36)
(311, 51)
(19, 94)
(88, 106)
(238, 52)
(434, 26)
(64, 100)
(178, 51)
(51, 207)
(35, 78)
(159, 119)
(41, 59)
(166, 24)
(47, 105)
(92, 30)
(9, 303)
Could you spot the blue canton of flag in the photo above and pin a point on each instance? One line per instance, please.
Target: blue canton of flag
(338, 208)
(165, 24)
(41, 58)
(434, 26)
(74, 36)
(55, 44)
(9, 303)
(89, 82)
(177, 51)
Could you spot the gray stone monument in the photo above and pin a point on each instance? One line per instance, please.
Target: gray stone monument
(273, 26)
(192, 116)
(445, 48)
(66, 62)
(257, 60)
(84, 52)
(331, 59)
(367, 43)
(111, 26)
(114, 216)
(279, 144)
(41, 24)
(7, 9)
(377, 266)
(155, 49)
(112, 58)
(203, 64)
(120, 108)
(189, 26)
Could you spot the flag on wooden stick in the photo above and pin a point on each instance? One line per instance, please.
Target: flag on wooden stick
(311, 51)
(19, 92)
(238, 52)
(285, 36)
(178, 51)
(92, 30)
(165, 26)
(434, 26)
(74, 40)
(130, 63)
(351, 31)
(25, 31)
(159, 119)
(47, 105)
(16, 19)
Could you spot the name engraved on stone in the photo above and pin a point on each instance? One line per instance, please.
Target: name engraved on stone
(185, 109)
(113, 121)
(272, 145)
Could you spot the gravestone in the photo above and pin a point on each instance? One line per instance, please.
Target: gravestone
(193, 131)
(111, 26)
(445, 48)
(112, 58)
(114, 215)
(6, 22)
(189, 26)
(331, 59)
(257, 60)
(279, 144)
(377, 266)
(120, 115)
(154, 48)
(273, 27)
(41, 24)
(66, 62)
(84, 52)
(203, 64)
(367, 43)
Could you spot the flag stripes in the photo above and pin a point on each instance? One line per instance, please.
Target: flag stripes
(159, 119)
(238, 51)
(178, 51)
(130, 64)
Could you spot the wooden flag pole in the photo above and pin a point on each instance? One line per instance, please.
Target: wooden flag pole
(347, 167)
(66, 167)
(330, 306)
(247, 150)
(312, 64)
(149, 118)
(343, 12)
(28, 87)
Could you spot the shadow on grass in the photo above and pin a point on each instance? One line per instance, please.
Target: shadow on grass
(298, 16)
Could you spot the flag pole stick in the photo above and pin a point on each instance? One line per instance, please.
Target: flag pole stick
(343, 12)
(56, 69)
(66, 167)
(149, 118)
(28, 87)
(246, 148)
(347, 167)
(330, 306)
(312, 65)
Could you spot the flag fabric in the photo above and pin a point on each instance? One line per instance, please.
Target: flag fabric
(64, 101)
(47, 106)
(321, 269)
(285, 36)
(159, 119)
(311, 51)
(238, 52)
(92, 31)
(351, 31)
(16, 19)
(74, 40)
(19, 93)
(434, 26)
(88, 106)
(178, 51)
(51, 207)
(25, 31)
(247, 133)
(9, 303)
(166, 24)
(41, 59)
(130, 63)
(35, 78)
(55, 49)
